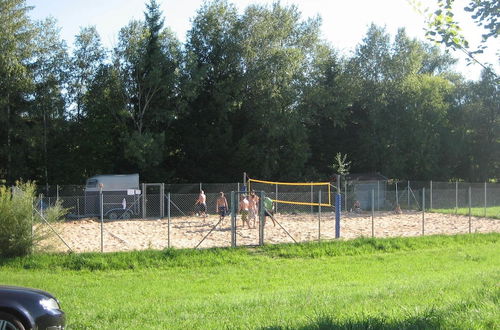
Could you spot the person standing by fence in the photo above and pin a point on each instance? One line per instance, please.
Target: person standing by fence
(202, 203)
(254, 208)
(244, 208)
(221, 206)
(268, 206)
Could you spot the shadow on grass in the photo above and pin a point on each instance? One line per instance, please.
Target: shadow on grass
(430, 319)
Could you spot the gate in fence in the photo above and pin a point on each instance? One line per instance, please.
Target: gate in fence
(153, 200)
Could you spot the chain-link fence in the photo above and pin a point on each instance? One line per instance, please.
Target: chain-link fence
(159, 216)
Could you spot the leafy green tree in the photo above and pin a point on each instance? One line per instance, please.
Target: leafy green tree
(211, 92)
(443, 28)
(325, 109)
(86, 60)
(402, 108)
(147, 56)
(16, 51)
(50, 76)
(480, 105)
(276, 47)
(100, 134)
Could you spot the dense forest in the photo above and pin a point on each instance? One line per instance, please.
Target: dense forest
(256, 91)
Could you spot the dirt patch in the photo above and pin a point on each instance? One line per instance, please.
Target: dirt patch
(187, 232)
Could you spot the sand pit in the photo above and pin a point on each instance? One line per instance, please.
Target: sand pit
(187, 232)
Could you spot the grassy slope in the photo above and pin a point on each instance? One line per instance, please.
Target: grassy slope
(491, 212)
(428, 282)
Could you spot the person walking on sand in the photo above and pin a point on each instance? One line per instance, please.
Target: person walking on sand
(268, 209)
(254, 208)
(221, 206)
(202, 203)
(244, 208)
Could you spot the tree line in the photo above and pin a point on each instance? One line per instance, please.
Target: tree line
(258, 91)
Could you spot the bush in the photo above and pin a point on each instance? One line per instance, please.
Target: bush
(18, 218)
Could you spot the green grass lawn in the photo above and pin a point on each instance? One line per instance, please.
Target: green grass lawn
(449, 282)
(491, 212)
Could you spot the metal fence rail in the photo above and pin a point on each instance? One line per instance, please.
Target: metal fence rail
(166, 215)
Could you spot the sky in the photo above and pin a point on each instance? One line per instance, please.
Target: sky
(344, 22)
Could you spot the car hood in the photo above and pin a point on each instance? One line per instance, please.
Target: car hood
(17, 289)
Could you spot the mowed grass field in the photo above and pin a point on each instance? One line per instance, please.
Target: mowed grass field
(448, 282)
(491, 212)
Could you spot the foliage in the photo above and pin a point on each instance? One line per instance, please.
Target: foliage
(257, 92)
(340, 164)
(442, 27)
(17, 218)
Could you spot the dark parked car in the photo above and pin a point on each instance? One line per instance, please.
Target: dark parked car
(24, 308)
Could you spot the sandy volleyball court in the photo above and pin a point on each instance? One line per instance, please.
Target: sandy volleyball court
(187, 232)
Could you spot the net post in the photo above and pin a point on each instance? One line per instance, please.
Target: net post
(338, 201)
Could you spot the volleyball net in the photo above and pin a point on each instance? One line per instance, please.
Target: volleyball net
(295, 193)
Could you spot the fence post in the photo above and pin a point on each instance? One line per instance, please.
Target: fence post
(312, 199)
(57, 193)
(485, 205)
(373, 213)
(345, 195)
(144, 201)
(378, 195)
(470, 206)
(168, 220)
(397, 197)
(233, 220)
(408, 194)
(33, 210)
(262, 219)
(423, 211)
(162, 201)
(276, 204)
(430, 197)
(40, 198)
(338, 202)
(101, 211)
(319, 216)
(456, 197)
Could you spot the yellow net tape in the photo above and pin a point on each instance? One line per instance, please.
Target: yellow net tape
(291, 183)
(301, 203)
(296, 184)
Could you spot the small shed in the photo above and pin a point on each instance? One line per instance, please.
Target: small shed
(361, 186)
(120, 191)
